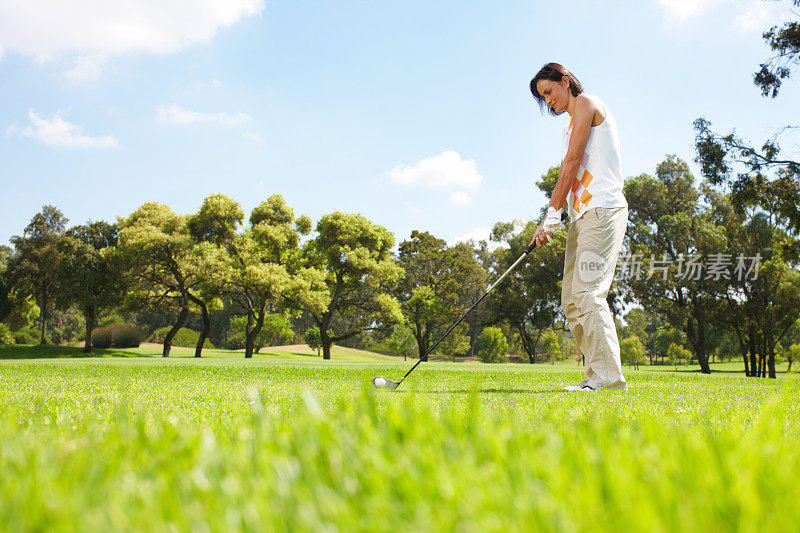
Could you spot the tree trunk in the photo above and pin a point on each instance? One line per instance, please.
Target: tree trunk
(473, 338)
(44, 319)
(198, 350)
(88, 316)
(252, 332)
(751, 341)
(327, 342)
(174, 331)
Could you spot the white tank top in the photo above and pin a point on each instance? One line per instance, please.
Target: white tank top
(599, 181)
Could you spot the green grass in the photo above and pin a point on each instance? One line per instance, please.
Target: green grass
(288, 442)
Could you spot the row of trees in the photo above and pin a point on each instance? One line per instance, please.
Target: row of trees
(255, 283)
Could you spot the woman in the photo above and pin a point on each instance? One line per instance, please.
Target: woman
(590, 184)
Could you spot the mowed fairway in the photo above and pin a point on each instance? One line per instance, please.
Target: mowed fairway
(297, 444)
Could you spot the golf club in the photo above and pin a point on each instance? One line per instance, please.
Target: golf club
(383, 383)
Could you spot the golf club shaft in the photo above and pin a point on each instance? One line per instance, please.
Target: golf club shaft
(527, 251)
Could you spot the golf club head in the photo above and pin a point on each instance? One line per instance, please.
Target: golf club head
(383, 383)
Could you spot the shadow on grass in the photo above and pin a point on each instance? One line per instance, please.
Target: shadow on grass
(487, 391)
(21, 351)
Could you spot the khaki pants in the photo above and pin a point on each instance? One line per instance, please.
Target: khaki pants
(593, 245)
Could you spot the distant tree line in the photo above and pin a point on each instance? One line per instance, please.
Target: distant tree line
(277, 278)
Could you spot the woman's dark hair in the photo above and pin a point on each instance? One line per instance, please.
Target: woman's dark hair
(554, 72)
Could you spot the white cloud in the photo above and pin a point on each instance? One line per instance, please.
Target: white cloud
(177, 115)
(85, 68)
(460, 198)
(58, 132)
(683, 10)
(746, 15)
(445, 171)
(253, 137)
(53, 29)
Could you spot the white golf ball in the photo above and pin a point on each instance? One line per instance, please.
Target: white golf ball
(380, 382)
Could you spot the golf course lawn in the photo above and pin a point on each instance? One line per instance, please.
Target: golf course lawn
(286, 441)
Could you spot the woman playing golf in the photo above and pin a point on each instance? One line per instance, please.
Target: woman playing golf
(590, 184)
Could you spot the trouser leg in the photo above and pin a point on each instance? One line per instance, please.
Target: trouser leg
(599, 240)
(571, 311)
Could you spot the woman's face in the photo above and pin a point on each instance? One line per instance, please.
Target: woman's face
(555, 93)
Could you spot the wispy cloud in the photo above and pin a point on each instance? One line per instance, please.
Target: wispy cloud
(253, 137)
(79, 29)
(56, 131)
(447, 171)
(745, 15)
(175, 114)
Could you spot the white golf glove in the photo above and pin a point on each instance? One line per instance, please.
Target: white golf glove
(552, 221)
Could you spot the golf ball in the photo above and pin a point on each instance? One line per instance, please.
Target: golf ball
(380, 382)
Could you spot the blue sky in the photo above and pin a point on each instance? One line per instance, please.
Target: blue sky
(415, 114)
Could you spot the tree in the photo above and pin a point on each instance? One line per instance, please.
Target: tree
(551, 347)
(89, 275)
(355, 256)
(33, 269)
(755, 176)
(678, 355)
(792, 354)
(668, 237)
(632, 351)
(266, 272)
(313, 339)
(492, 345)
(785, 42)
(458, 342)
(277, 330)
(213, 229)
(529, 299)
(156, 245)
(439, 285)
(402, 341)
(422, 258)
(760, 307)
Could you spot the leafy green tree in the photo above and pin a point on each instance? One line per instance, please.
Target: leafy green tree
(785, 42)
(22, 311)
(632, 351)
(529, 299)
(266, 272)
(759, 177)
(90, 277)
(402, 341)
(154, 242)
(355, 255)
(439, 285)
(678, 355)
(5, 304)
(760, 308)
(792, 354)
(492, 345)
(551, 347)
(458, 342)
(276, 331)
(665, 335)
(313, 339)
(33, 269)
(5, 335)
(668, 236)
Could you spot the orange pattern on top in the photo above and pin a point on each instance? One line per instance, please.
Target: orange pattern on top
(581, 195)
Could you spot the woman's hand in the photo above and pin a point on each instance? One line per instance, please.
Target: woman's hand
(551, 222)
(541, 237)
